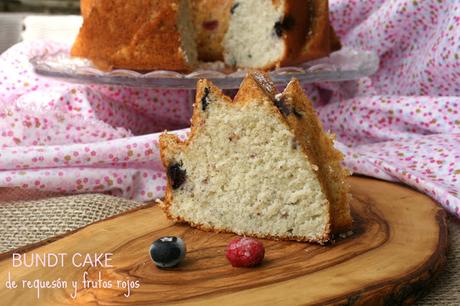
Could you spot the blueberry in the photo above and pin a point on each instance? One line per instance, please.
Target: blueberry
(204, 99)
(288, 23)
(285, 25)
(234, 6)
(177, 175)
(278, 28)
(167, 252)
(283, 108)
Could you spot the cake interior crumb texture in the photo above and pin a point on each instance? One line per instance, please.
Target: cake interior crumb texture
(251, 40)
(244, 169)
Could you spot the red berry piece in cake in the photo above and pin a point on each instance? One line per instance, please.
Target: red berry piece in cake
(211, 25)
(245, 252)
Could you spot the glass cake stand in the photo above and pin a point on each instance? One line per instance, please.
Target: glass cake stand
(344, 65)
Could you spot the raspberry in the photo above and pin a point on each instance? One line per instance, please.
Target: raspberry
(245, 252)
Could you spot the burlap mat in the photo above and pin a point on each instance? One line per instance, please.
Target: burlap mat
(26, 222)
(42, 217)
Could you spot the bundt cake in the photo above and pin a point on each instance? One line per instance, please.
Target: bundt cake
(139, 35)
(260, 165)
(155, 34)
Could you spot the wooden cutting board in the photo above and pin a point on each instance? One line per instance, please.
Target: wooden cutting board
(399, 245)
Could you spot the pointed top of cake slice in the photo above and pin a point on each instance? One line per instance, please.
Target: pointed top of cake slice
(258, 165)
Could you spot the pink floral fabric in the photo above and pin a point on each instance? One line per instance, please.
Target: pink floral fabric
(401, 124)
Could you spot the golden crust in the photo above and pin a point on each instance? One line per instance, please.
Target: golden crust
(255, 87)
(139, 35)
(85, 7)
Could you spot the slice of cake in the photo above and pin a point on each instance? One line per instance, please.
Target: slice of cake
(266, 34)
(259, 165)
(139, 35)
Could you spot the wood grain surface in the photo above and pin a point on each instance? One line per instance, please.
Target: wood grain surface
(398, 246)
